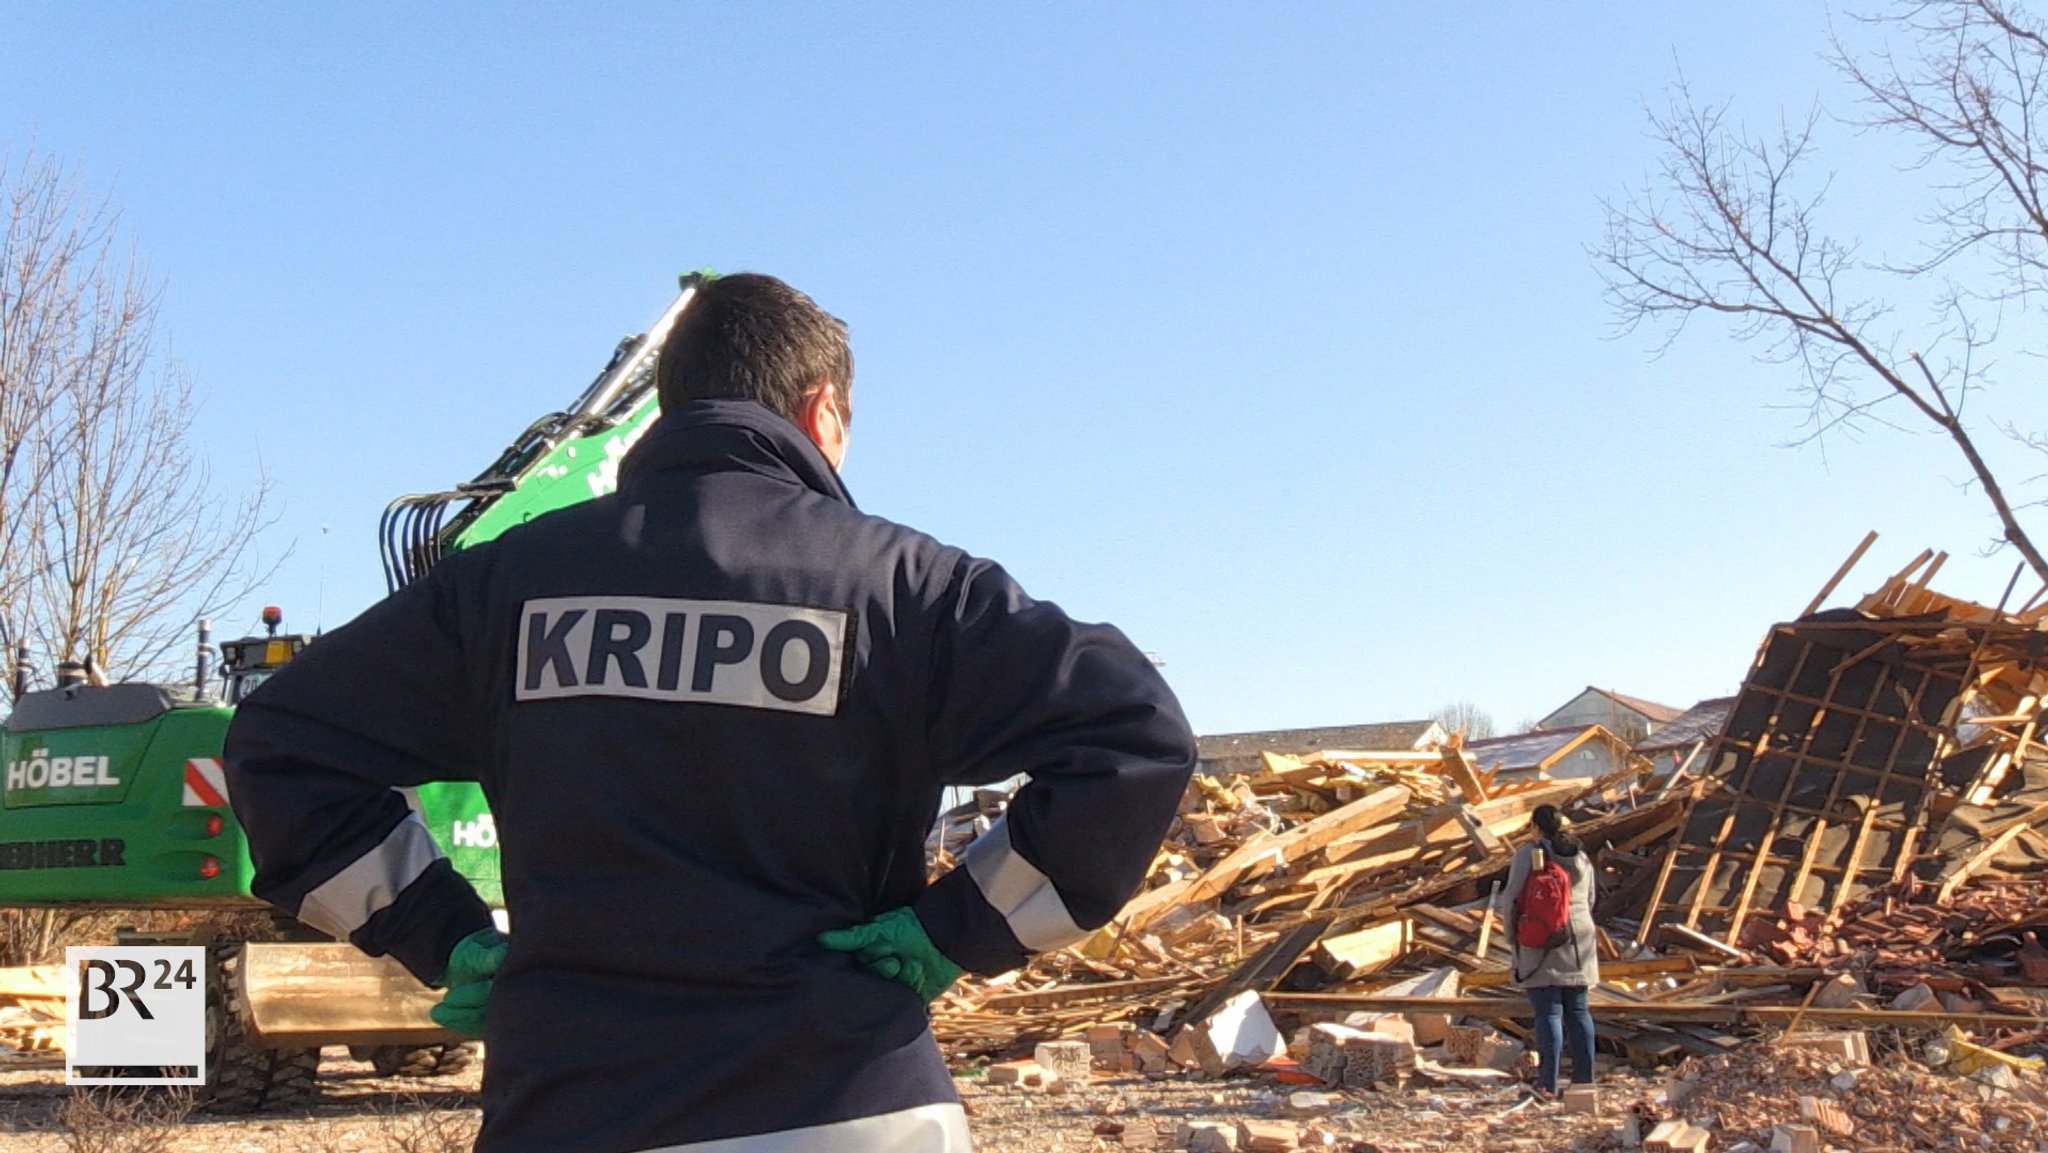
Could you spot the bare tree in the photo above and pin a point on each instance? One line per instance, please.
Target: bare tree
(46, 237)
(1465, 717)
(116, 538)
(1730, 224)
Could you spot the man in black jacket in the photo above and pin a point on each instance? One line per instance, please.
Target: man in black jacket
(713, 714)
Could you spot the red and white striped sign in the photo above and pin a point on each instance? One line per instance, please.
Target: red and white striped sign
(205, 785)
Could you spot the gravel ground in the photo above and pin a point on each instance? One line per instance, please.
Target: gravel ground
(1898, 1105)
(359, 1111)
(1112, 1113)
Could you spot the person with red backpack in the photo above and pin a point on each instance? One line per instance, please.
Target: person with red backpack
(1550, 899)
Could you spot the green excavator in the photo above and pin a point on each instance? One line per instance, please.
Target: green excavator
(113, 796)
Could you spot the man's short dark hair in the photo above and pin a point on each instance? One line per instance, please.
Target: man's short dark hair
(751, 337)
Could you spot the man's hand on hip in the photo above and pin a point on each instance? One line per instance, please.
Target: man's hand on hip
(895, 945)
(471, 966)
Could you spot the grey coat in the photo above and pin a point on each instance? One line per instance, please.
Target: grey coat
(1577, 961)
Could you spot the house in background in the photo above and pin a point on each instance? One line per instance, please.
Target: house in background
(1672, 743)
(1630, 718)
(1585, 753)
(1239, 752)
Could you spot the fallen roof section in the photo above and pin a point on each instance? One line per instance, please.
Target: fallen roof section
(1841, 764)
(1702, 722)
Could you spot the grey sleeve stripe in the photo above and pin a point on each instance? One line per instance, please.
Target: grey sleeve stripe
(1021, 893)
(921, 1129)
(348, 899)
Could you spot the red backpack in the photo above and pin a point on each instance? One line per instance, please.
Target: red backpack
(1543, 913)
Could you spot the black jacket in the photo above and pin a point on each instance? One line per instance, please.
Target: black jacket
(712, 713)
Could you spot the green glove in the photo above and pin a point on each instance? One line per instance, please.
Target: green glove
(471, 965)
(895, 946)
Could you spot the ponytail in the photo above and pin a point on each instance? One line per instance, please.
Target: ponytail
(1551, 822)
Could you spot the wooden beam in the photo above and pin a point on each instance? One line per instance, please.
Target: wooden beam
(1486, 839)
(1263, 852)
(1869, 538)
(1893, 589)
(1664, 868)
(1740, 787)
(1847, 885)
(1797, 890)
(1363, 951)
(1068, 994)
(1609, 971)
(1690, 936)
(1318, 833)
(1543, 766)
(1457, 765)
(1440, 826)
(1486, 922)
(1800, 759)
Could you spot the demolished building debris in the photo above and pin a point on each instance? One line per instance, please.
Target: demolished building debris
(1869, 820)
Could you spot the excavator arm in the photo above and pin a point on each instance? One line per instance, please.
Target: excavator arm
(561, 459)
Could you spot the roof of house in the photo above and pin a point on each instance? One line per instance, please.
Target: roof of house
(1525, 751)
(1658, 714)
(1388, 735)
(1702, 722)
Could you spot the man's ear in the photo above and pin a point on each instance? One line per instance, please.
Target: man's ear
(819, 418)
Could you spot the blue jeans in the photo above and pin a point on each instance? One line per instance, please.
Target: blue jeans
(1562, 1008)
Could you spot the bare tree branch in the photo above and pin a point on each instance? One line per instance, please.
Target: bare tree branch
(1730, 225)
(1465, 717)
(115, 539)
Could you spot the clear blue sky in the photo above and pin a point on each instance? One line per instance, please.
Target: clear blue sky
(1265, 331)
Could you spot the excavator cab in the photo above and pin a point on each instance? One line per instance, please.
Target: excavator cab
(250, 661)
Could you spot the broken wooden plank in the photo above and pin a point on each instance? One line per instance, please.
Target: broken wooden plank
(1960, 872)
(1486, 839)
(1263, 852)
(1365, 951)
(1826, 590)
(1069, 994)
(1698, 940)
(1611, 971)
(1457, 765)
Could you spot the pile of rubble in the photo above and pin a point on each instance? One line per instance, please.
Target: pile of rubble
(1861, 849)
(1328, 866)
(1802, 1100)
